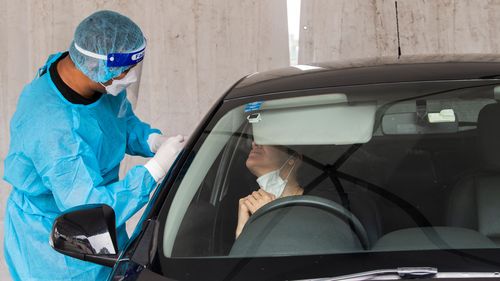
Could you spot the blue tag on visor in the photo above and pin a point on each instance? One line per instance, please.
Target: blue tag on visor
(125, 59)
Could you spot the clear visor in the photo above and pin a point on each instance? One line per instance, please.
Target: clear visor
(133, 89)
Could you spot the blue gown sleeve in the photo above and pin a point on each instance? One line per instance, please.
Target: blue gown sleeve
(137, 135)
(70, 169)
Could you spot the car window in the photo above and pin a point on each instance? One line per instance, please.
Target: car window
(379, 168)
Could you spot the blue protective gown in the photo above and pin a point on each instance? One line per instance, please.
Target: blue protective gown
(64, 155)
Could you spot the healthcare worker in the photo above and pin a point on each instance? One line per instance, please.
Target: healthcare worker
(73, 125)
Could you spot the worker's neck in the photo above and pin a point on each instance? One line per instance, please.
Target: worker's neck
(75, 79)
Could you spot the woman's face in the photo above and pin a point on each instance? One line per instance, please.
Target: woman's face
(263, 159)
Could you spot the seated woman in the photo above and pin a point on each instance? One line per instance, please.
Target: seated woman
(276, 170)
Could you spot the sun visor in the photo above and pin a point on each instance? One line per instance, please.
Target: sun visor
(328, 120)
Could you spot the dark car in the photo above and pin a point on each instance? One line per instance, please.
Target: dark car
(400, 167)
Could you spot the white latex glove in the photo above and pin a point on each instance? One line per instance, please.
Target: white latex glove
(159, 165)
(155, 140)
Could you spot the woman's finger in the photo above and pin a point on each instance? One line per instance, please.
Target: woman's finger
(256, 195)
(251, 204)
(266, 195)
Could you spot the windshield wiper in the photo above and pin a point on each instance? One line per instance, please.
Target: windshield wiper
(409, 273)
(398, 273)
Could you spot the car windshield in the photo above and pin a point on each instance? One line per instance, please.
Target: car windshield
(361, 169)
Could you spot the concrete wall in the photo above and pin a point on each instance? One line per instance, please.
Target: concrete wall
(350, 29)
(196, 50)
(449, 26)
(344, 29)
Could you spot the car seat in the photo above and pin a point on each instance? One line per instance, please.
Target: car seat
(474, 202)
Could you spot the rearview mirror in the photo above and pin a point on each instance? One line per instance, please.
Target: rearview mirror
(87, 234)
(410, 123)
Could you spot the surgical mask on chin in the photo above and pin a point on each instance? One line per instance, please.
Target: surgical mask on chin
(117, 86)
(273, 183)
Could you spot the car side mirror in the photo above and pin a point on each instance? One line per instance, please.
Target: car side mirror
(88, 234)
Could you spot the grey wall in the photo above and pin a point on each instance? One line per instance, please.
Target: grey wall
(451, 26)
(350, 29)
(196, 50)
(345, 29)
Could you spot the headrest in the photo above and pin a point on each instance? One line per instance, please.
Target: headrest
(488, 125)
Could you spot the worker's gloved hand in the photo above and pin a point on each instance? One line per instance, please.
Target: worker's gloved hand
(159, 165)
(155, 140)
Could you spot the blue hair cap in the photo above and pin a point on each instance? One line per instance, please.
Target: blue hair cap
(102, 33)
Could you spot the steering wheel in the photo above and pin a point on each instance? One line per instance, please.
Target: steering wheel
(315, 202)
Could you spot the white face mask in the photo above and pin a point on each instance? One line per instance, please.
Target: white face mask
(272, 182)
(117, 86)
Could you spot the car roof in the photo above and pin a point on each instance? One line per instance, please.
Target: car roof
(368, 71)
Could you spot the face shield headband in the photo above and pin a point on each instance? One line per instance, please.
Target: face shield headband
(117, 59)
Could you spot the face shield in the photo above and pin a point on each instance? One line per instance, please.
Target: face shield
(133, 88)
(131, 62)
